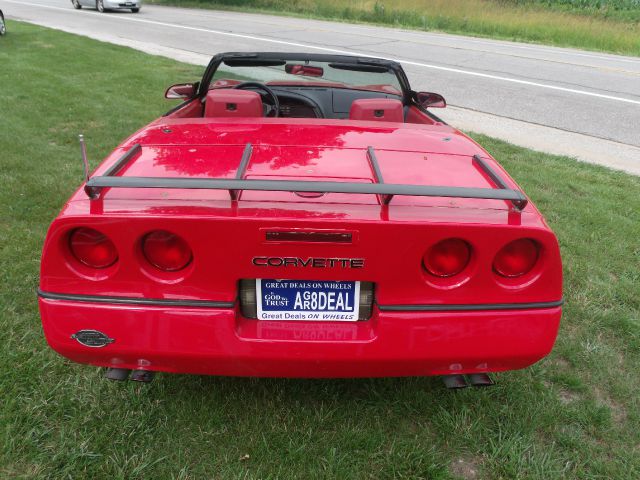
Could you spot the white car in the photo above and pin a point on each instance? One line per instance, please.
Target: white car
(103, 5)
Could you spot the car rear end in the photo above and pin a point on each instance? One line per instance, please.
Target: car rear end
(296, 284)
(179, 293)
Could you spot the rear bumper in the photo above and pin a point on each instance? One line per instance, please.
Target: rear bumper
(219, 341)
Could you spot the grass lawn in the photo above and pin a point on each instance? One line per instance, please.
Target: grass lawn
(574, 415)
(607, 25)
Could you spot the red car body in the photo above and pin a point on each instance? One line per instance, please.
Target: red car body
(132, 314)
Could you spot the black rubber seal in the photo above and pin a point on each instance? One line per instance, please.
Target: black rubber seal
(163, 302)
(160, 302)
(469, 307)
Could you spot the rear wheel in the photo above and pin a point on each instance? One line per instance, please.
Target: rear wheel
(3, 28)
(135, 10)
(76, 4)
(100, 6)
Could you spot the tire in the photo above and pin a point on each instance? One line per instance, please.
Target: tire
(135, 10)
(100, 6)
(3, 27)
(76, 4)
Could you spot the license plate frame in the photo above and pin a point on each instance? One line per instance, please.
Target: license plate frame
(307, 300)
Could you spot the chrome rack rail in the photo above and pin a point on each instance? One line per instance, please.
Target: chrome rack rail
(385, 191)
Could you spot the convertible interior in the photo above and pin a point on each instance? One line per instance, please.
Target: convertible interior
(299, 87)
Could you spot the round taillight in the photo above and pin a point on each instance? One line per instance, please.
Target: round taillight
(166, 251)
(92, 248)
(516, 258)
(447, 258)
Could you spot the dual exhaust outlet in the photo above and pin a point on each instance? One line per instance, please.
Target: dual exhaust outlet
(452, 382)
(455, 382)
(122, 374)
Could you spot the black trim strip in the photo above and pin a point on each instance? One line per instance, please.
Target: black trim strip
(371, 156)
(179, 106)
(160, 302)
(163, 302)
(469, 308)
(115, 168)
(497, 180)
(242, 169)
(123, 161)
(373, 161)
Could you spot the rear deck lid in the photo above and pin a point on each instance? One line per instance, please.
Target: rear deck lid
(307, 150)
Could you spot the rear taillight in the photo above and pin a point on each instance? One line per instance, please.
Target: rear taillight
(166, 251)
(447, 258)
(516, 258)
(92, 248)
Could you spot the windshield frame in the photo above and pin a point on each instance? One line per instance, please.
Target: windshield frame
(258, 57)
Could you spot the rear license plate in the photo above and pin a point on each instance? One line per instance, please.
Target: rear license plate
(310, 300)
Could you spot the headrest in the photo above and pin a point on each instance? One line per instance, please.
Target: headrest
(233, 103)
(378, 109)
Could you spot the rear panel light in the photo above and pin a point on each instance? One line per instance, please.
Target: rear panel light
(166, 251)
(447, 258)
(92, 248)
(516, 258)
(305, 236)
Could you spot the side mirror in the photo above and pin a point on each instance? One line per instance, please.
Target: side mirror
(183, 91)
(433, 100)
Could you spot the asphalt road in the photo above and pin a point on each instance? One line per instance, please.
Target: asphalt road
(565, 101)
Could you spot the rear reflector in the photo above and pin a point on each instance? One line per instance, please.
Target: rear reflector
(249, 299)
(166, 251)
(447, 257)
(92, 248)
(516, 258)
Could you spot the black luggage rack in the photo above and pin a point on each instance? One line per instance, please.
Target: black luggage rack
(384, 191)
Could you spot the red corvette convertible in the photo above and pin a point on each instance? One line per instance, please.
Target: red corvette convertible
(301, 215)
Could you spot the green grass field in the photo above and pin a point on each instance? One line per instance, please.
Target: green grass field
(574, 415)
(607, 25)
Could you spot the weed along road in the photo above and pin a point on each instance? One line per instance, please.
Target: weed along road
(564, 101)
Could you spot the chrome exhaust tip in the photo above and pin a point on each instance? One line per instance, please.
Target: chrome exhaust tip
(117, 374)
(480, 380)
(454, 382)
(144, 376)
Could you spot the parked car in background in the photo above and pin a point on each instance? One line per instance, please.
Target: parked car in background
(3, 27)
(103, 5)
